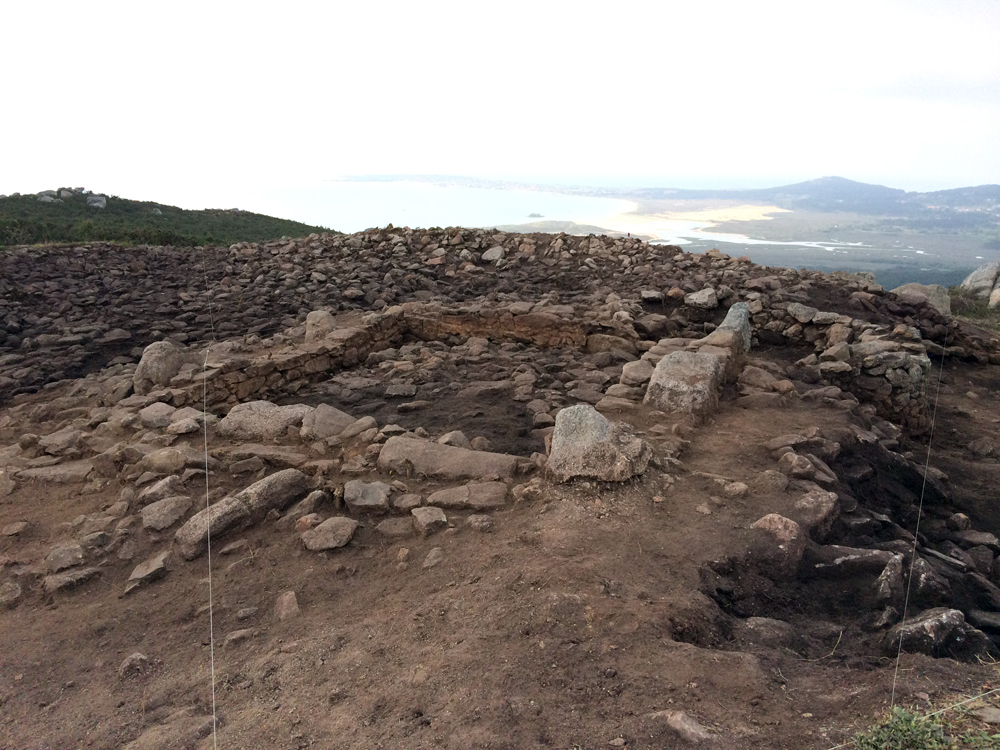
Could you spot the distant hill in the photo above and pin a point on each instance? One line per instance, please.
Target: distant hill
(840, 194)
(961, 209)
(75, 215)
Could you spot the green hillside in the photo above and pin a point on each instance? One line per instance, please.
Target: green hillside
(65, 216)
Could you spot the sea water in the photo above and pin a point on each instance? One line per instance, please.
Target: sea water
(352, 206)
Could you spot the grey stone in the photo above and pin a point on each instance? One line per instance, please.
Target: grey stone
(427, 520)
(157, 415)
(456, 438)
(480, 522)
(934, 294)
(586, 444)
(286, 606)
(332, 533)
(163, 488)
(927, 586)
(275, 455)
(840, 562)
(133, 664)
(160, 362)
(401, 390)
(479, 496)
(366, 497)
(260, 420)
(410, 456)
(235, 638)
(319, 323)
(890, 588)
(65, 556)
(938, 632)
(64, 473)
(247, 506)
(395, 528)
(706, 299)
(685, 382)
(13, 529)
(738, 319)
(981, 282)
(636, 373)
(60, 442)
(325, 421)
(494, 254)
(165, 513)
(183, 426)
(68, 579)
(357, 427)
(765, 631)
(787, 544)
(406, 502)
(146, 572)
(688, 729)
(434, 557)
(10, 595)
(796, 466)
(304, 507)
(816, 511)
(802, 313)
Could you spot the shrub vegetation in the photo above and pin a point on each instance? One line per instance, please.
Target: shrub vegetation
(24, 220)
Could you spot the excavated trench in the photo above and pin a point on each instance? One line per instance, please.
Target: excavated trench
(845, 608)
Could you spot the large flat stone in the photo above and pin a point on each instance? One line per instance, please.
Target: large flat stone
(260, 420)
(325, 421)
(65, 473)
(332, 533)
(146, 572)
(61, 441)
(165, 513)
(167, 487)
(245, 507)
(409, 456)
(275, 455)
(586, 444)
(66, 556)
(933, 294)
(366, 497)
(480, 496)
(427, 520)
(67, 580)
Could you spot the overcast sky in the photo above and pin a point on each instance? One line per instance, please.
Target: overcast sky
(179, 102)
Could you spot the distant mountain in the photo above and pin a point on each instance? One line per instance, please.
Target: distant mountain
(840, 194)
(76, 215)
(968, 208)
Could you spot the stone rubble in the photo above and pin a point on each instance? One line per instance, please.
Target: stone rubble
(383, 320)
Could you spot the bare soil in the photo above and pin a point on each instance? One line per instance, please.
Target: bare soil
(570, 625)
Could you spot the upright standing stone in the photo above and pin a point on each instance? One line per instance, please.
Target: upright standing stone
(685, 382)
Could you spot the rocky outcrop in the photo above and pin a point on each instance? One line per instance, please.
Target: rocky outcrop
(981, 282)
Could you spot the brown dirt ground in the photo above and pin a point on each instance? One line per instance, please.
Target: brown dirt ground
(571, 623)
